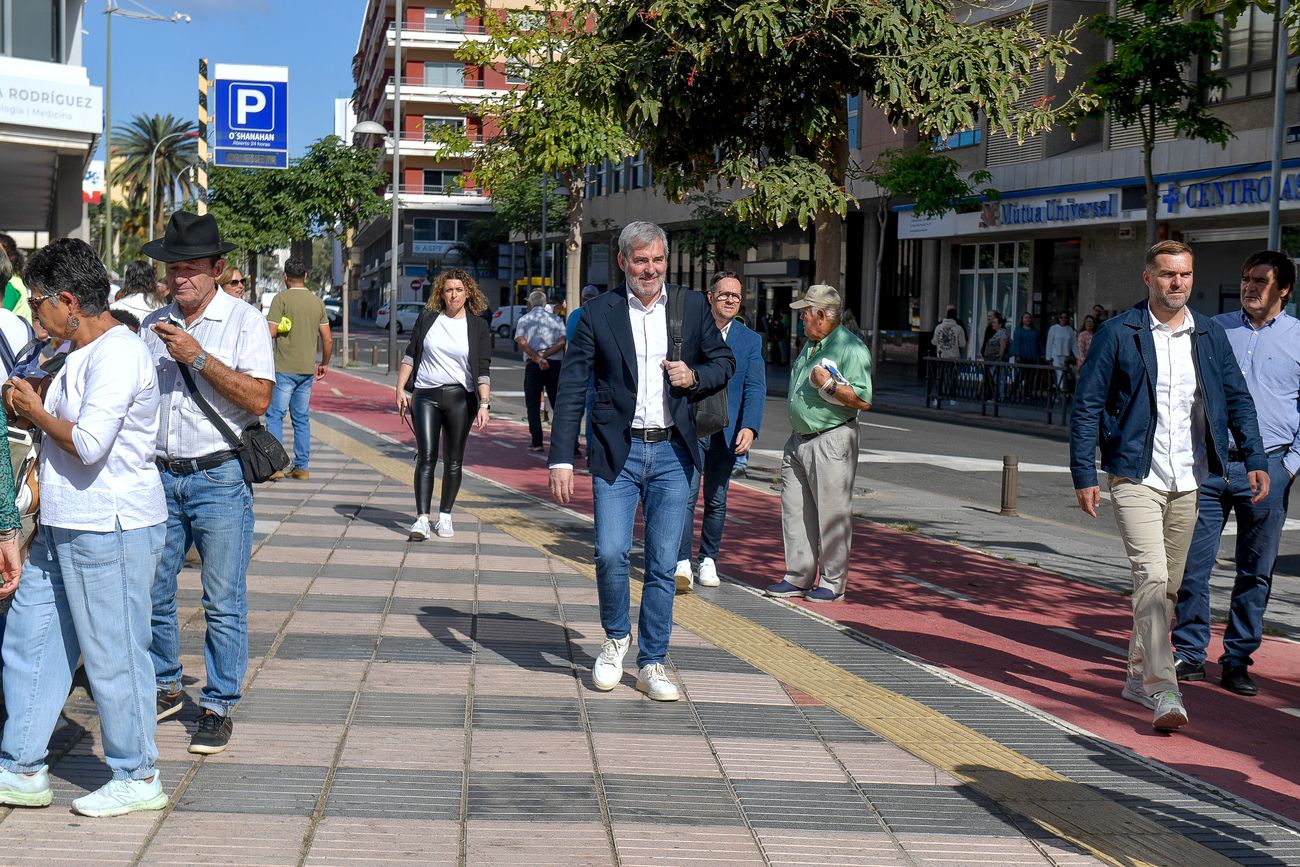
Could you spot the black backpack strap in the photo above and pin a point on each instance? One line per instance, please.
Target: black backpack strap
(676, 309)
(208, 411)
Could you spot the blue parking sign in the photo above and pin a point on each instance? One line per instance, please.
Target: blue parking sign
(252, 116)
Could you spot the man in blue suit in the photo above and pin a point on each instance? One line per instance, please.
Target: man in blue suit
(746, 393)
(643, 448)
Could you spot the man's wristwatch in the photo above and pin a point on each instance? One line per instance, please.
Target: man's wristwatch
(200, 361)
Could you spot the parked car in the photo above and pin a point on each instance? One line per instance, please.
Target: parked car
(334, 310)
(506, 318)
(264, 300)
(407, 313)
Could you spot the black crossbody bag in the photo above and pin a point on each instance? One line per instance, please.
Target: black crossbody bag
(260, 453)
(710, 413)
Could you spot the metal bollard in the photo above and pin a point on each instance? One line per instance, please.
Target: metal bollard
(374, 355)
(1009, 471)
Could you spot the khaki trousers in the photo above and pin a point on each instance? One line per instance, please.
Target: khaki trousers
(817, 506)
(1156, 527)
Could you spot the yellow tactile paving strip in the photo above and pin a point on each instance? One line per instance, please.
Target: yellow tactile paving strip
(1069, 810)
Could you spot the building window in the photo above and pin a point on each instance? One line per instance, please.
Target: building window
(1247, 58)
(595, 181)
(444, 21)
(442, 180)
(432, 123)
(444, 74)
(446, 230)
(517, 73)
(636, 174)
(32, 30)
(615, 176)
(993, 276)
(855, 121)
(962, 139)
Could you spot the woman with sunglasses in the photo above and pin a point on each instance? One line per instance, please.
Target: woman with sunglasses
(139, 293)
(233, 282)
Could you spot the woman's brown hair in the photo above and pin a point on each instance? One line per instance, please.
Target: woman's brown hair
(475, 302)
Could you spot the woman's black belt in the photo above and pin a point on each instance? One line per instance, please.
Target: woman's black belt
(189, 466)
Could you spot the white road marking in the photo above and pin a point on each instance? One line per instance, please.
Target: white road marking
(503, 444)
(1294, 711)
(337, 393)
(884, 426)
(1230, 529)
(943, 591)
(947, 462)
(1095, 642)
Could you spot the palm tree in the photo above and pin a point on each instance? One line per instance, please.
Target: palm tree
(134, 144)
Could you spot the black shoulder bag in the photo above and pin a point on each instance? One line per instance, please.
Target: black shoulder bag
(260, 453)
(709, 413)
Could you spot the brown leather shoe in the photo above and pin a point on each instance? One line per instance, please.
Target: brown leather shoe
(275, 476)
(301, 475)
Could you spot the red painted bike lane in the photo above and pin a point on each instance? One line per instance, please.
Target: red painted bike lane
(1055, 644)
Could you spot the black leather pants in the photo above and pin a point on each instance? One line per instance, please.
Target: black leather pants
(442, 413)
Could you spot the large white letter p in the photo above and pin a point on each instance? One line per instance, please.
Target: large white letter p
(248, 101)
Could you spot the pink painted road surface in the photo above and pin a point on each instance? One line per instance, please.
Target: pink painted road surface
(1027, 634)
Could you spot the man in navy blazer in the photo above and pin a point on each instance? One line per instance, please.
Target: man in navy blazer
(746, 393)
(643, 448)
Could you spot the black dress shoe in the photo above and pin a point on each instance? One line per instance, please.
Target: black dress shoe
(1188, 672)
(1236, 678)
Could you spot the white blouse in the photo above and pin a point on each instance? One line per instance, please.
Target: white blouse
(445, 359)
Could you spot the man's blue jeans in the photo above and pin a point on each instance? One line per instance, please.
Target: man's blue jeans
(1259, 532)
(719, 459)
(83, 594)
(213, 509)
(293, 394)
(657, 477)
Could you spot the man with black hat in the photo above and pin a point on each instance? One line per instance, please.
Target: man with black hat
(210, 341)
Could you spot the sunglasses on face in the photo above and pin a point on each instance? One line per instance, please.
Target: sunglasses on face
(239, 282)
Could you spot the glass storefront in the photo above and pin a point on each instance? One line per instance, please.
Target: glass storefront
(992, 276)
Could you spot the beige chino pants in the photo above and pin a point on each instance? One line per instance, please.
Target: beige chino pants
(817, 507)
(1156, 527)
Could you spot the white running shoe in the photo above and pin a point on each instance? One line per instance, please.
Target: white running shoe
(607, 670)
(708, 576)
(119, 797)
(1135, 690)
(1170, 714)
(26, 790)
(654, 682)
(420, 529)
(443, 527)
(683, 576)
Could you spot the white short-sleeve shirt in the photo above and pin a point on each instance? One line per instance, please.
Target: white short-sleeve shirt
(232, 332)
(109, 390)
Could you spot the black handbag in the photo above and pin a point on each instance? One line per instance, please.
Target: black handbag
(710, 413)
(260, 454)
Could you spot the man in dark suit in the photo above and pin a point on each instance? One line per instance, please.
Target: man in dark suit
(746, 393)
(643, 448)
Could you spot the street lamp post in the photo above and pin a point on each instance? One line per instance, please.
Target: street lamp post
(153, 170)
(144, 15)
(369, 127)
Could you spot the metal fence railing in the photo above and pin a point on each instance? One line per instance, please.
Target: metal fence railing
(999, 383)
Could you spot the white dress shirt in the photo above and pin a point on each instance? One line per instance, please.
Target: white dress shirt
(109, 391)
(232, 332)
(650, 336)
(1178, 460)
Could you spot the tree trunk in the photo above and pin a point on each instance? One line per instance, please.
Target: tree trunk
(573, 242)
(528, 271)
(882, 218)
(828, 226)
(1148, 147)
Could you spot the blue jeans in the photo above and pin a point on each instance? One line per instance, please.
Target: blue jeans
(656, 476)
(292, 394)
(213, 509)
(83, 594)
(719, 459)
(1259, 532)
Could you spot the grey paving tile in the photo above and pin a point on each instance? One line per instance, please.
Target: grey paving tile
(670, 800)
(266, 567)
(833, 726)
(346, 604)
(293, 706)
(402, 709)
(260, 601)
(641, 717)
(804, 805)
(534, 657)
(435, 608)
(284, 790)
(938, 810)
(531, 714)
(514, 579)
(394, 793)
(545, 612)
(302, 645)
(452, 577)
(709, 659)
(726, 720)
(444, 648)
(192, 642)
(359, 573)
(555, 797)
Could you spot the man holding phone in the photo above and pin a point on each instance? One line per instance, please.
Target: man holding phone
(225, 348)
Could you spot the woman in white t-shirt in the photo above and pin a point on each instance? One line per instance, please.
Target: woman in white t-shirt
(449, 354)
(85, 590)
(139, 293)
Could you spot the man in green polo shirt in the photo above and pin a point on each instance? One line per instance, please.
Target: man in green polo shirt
(298, 322)
(830, 383)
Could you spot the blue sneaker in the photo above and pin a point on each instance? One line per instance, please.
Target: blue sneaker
(822, 594)
(783, 589)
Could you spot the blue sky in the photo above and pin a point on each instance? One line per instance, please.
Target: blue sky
(155, 65)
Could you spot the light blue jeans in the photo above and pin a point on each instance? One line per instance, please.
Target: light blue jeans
(83, 594)
(657, 477)
(213, 509)
(292, 394)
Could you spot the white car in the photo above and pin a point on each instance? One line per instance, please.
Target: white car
(506, 318)
(407, 313)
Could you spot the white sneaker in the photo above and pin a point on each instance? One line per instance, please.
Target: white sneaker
(708, 576)
(26, 790)
(1134, 690)
(420, 529)
(1170, 714)
(119, 797)
(683, 576)
(654, 682)
(443, 527)
(607, 670)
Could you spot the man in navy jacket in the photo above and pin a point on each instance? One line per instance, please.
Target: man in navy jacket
(1159, 392)
(746, 393)
(643, 448)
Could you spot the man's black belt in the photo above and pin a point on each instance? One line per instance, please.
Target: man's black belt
(189, 466)
(651, 434)
(804, 437)
(1237, 456)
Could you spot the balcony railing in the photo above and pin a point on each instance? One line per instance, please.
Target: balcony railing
(449, 27)
(421, 82)
(438, 190)
(474, 138)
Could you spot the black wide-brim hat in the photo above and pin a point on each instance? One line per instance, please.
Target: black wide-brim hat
(188, 236)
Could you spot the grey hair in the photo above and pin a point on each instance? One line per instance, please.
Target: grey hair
(639, 234)
(833, 314)
(536, 298)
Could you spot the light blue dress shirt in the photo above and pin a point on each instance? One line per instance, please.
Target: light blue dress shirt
(1269, 358)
